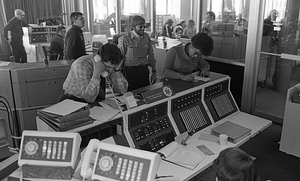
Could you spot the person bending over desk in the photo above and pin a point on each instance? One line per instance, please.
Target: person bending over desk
(84, 82)
(182, 60)
(233, 164)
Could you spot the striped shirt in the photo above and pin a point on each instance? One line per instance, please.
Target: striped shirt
(81, 83)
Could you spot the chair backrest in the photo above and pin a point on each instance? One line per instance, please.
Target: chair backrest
(41, 53)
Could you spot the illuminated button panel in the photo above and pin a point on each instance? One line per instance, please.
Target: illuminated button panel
(151, 129)
(47, 148)
(215, 89)
(186, 100)
(121, 167)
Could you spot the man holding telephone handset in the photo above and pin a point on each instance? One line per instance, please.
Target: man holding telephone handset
(86, 80)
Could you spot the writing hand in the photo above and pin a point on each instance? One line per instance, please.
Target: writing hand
(204, 73)
(153, 78)
(188, 78)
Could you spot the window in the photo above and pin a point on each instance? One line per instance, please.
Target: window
(104, 17)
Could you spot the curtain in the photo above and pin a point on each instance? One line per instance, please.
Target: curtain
(4, 46)
(34, 9)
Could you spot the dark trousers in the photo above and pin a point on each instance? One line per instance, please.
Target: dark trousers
(137, 76)
(18, 50)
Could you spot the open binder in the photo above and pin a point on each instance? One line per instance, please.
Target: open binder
(179, 155)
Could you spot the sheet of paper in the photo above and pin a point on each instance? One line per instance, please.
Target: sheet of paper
(65, 107)
(111, 102)
(205, 79)
(188, 158)
(208, 137)
(105, 106)
(169, 149)
(3, 64)
(101, 114)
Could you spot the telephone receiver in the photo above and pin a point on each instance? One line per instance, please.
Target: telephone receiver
(86, 170)
(115, 162)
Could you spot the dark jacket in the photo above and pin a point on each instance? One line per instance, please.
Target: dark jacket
(74, 43)
(15, 27)
(57, 47)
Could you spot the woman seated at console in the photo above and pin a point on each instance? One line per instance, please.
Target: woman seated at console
(183, 61)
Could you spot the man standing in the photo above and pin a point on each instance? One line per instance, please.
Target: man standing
(138, 52)
(57, 44)
(74, 43)
(14, 26)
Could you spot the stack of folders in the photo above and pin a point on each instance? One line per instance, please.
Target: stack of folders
(66, 115)
(234, 131)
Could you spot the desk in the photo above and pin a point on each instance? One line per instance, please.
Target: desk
(217, 87)
(181, 174)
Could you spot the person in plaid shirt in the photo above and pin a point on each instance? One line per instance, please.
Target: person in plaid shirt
(84, 82)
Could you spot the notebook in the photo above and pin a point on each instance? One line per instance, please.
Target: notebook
(234, 131)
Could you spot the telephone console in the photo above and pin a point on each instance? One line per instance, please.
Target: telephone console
(119, 163)
(149, 129)
(45, 151)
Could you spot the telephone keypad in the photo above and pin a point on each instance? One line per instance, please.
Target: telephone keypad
(121, 167)
(47, 148)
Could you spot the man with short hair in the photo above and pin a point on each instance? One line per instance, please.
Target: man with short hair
(74, 42)
(57, 44)
(85, 81)
(137, 49)
(14, 26)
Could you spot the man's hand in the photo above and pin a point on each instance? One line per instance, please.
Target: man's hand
(204, 73)
(188, 78)
(99, 67)
(153, 78)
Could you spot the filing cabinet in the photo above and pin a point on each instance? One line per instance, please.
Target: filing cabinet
(31, 86)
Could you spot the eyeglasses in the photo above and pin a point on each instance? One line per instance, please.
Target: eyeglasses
(141, 26)
(196, 51)
(78, 16)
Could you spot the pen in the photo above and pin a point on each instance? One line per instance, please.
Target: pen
(164, 176)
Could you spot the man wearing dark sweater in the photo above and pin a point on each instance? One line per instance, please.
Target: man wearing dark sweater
(15, 39)
(74, 42)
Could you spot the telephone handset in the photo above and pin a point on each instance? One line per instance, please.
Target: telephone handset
(119, 163)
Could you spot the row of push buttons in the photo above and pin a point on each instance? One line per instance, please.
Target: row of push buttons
(59, 149)
(135, 167)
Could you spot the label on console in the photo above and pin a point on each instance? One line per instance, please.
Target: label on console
(158, 94)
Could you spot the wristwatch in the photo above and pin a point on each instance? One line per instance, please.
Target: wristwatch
(117, 70)
(180, 76)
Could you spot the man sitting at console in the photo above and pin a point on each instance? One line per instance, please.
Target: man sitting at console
(85, 81)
